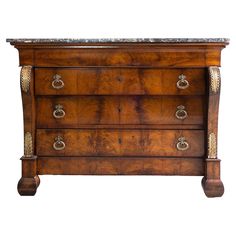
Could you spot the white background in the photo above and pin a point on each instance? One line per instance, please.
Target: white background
(114, 206)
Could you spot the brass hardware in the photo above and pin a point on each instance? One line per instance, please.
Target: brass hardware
(182, 144)
(25, 77)
(59, 145)
(181, 113)
(28, 145)
(182, 82)
(212, 146)
(59, 112)
(57, 83)
(214, 73)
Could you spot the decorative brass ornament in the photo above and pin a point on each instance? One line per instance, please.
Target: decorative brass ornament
(59, 112)
(181, 113)
(182, 83)
(214, 73)
(212, 147)
(182, 144)
(59, 145)
(57, 82)
(25, 77)
(28, 145)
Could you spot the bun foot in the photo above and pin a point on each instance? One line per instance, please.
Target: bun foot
(213, 187)
(28, 186)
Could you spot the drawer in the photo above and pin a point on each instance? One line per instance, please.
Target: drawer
(119, 81)
(73, 111)
(124, 55)
(102, 142)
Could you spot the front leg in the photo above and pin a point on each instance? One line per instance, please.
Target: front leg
(29, 181)
(28, 186)
(211, 182)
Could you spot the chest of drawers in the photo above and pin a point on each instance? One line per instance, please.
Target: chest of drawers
(120, 107)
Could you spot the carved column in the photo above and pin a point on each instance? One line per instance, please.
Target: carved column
(29, 181)
(212, 185)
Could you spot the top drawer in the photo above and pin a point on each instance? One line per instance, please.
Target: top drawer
(119, 81)
(129, 55)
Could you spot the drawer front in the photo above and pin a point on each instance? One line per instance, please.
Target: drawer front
(70, 112)
(129, 55)
(111, 81)
(101, 142)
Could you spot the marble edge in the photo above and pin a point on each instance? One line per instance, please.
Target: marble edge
(116, 40)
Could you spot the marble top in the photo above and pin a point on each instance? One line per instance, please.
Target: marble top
(118, 40)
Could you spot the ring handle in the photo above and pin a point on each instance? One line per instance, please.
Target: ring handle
(181, 113)
(59, 145)
(58, 112)
(57, 82)
(182, 83)
(182, 144)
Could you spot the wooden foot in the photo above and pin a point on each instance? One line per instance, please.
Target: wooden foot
(28, 186)
(37, 179)
(213, 187)
(211, 183)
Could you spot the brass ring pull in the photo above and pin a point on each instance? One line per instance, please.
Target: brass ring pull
(182, 82)
(59, 145)
(182, 144)
(181, 113)
(58, 112)
(57, 83)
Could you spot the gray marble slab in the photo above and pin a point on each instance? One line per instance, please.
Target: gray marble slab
(119, 40)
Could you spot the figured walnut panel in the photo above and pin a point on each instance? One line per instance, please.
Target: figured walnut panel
(160, 57)
(114, 110)
(119, 81)
(120, 166)
(104, 142)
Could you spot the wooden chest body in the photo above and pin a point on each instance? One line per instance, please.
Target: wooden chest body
(120, 107)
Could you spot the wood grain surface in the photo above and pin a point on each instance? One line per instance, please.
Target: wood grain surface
(119, 81)
(114, 110)
(120, 166)
(104, 142)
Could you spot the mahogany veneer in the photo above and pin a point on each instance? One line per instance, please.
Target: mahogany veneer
(114, 107)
